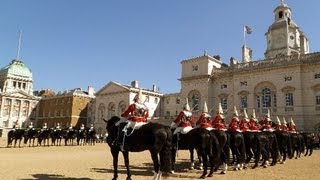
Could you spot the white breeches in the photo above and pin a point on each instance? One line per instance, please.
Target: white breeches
(182, 130)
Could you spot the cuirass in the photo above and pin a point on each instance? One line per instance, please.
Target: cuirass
(139, 112)
(186, 118)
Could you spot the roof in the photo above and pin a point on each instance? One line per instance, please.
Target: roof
(17, 68)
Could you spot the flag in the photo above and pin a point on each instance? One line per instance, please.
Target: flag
(247, 29)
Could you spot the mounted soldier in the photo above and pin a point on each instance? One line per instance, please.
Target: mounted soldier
(183, 123)
(91, 128)
(266, 123)
(136, 116)
(284, 126)
(219, 121)
(234, 124)
(70, 128)
(82, 127)
(253, 123)
(244, 126)
(58, 127)
(204, 120)
(44, 127)
(292, 127)
(30, 126)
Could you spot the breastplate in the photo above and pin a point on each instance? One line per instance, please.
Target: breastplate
(139, 112)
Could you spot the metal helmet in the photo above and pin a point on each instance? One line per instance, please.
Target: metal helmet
(284, 121)
(220, 111)
(278, 120)
(254, 114)
(292, 122)
(205, 107)
(186, 106)
(245, 113)
(139, 97)
(268, 114)
(235, 112)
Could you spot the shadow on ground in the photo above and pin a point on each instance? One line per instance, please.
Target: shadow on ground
(53, 176)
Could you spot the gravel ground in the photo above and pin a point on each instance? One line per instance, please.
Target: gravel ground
(95, 162)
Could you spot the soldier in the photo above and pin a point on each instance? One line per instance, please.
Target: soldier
(219, 122)
(244, 126)
(82, 127)
(70, 128)
(234, 124)
(292, 127)
(58, 126)
(253, 123)
(204, 120)
(91, 128)
(278, 125)
(284, 126)
(184, 121)
(266, 123)
(44, 127)
(30, 126)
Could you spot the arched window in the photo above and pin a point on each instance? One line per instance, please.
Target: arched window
(194, 98)
(266, 97)
(111, 110)
(101, 112)
(122, 107)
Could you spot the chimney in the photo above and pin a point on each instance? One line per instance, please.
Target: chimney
(135, 84)
(246, 54)
(91, 91)
(154, 88)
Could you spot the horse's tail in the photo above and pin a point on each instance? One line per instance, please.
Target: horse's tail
(165, 153)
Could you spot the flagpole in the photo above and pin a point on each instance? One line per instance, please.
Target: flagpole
(244, 35)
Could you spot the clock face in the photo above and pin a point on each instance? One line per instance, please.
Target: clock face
(279, 40)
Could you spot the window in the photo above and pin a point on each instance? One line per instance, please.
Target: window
(280, 15)
(317, 76)
(14, 84)
(243, 102)
(289, 99)
(156, 100)
(318, 100)
(24, 85)
(194, 100)
(177, 101)
(168, 113)
(224, 86)
(258, 101)
(224, 104)
(195, 68)
(266, 97)
(274, 100)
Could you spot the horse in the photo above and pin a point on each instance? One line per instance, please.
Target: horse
(201, 140)
(309, 141)
(297, 144)
(284, 144)
(56, 137)
(224, 148)
(81, 136)
(69, 136)
(238, 148)
(91, 137)
(30, 135)
(154, 137)
(15, 134)
(44, 136)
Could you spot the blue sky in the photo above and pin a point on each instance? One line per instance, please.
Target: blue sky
(79, 43)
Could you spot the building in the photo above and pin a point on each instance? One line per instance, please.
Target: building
(114, 98)
(18, 104)
(68, 107)
(287, 81)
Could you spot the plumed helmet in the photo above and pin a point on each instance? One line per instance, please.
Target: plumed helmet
(139, 97)
(284, 120)
(253, 114)
(278, 120)
(186, 106)
(292, 122)
(205, 107)
(220, 111)
(245, 113)
(268, 114)
(235, 112)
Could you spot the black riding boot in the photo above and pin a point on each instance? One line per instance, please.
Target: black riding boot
(119, 139)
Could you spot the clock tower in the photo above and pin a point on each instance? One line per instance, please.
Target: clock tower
(284, 38)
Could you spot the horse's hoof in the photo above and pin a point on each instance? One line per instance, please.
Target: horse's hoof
(223, 172)
(202, 177)
(265, 166)
(210, 175)
(128, 178)
(172, 171)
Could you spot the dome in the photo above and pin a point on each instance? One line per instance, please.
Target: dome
(17, 68)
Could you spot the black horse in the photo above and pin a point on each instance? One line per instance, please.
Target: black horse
(69, 136)
(81, 137)
(91, 136)
(56, 137)
(204, 142)
(309, 141)
(284, 143)
(297, 144)
(30, 135)
(44, 136)
(238, 148)
(154, 137)
(224, 148)
(16, 135)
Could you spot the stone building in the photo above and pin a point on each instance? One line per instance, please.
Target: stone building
(18, 104)
(287, 81)
(68, 107)
(114, 98)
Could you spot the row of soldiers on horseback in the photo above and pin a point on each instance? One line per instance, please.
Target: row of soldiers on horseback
(122, 136)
